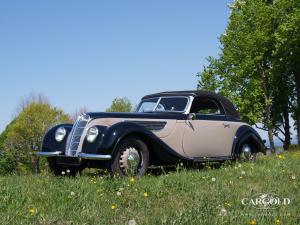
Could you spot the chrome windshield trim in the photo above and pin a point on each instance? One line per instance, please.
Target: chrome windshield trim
(157, 103)
(188, 104)
(48, 154)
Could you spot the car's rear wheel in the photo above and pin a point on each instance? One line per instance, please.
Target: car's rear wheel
(132, 158)
(247, 153)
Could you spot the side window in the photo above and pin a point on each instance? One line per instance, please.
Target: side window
(205, 106)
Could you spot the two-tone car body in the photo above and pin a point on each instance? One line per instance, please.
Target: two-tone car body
(166, 128)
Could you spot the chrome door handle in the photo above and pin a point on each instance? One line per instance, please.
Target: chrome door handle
(226, 124)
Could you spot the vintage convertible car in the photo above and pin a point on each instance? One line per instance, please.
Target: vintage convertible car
(166, 128)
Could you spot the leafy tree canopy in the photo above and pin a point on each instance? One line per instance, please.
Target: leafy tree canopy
(24, 137)
(120, 105)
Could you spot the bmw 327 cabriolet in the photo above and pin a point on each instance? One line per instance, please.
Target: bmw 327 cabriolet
(166, 128)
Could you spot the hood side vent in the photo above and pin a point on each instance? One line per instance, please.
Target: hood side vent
(150, 125)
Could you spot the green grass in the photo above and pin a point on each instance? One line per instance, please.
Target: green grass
(180, 197)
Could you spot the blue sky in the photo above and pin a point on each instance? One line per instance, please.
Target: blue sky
(86, 53)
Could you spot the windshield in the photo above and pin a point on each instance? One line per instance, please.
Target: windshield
(163, 104)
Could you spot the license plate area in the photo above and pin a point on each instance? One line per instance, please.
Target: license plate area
(67, 160)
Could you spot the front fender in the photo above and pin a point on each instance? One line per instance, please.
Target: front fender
(109, 138)
(50, 144)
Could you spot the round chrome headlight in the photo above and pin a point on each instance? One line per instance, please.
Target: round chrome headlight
(60, 134)
(92, 134)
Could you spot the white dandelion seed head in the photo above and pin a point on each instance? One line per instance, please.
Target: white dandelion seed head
(63, 172)
(131, 222)
(223, 212)
(213, 179)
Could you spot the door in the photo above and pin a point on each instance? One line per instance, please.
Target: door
(208, 134)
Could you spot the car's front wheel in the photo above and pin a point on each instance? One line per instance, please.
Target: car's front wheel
(132, 158)
(247, 153)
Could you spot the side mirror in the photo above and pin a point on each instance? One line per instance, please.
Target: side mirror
(191, 116)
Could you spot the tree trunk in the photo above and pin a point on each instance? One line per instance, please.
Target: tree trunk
(268, 123)
(270, 130)
(297, 114)
(287, 133)
(271, 140)
(35, 165)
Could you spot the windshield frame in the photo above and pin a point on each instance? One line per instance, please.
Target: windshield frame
(166, 111)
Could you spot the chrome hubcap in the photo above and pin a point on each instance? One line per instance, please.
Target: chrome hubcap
(130, 161)
(246, 153)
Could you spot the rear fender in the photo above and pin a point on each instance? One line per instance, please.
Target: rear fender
(247, 134)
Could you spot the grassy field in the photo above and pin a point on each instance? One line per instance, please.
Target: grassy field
(204, 196)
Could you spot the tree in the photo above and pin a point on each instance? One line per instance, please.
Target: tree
(25, 135)
(243, 69)
(7, 163)
(287, 53)
(120, 105)
(31, 98)
(259, 64)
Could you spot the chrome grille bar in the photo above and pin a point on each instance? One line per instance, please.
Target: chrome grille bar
(75, 135)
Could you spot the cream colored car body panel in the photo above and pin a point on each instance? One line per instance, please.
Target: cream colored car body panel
(171, 134)
(174, 140)
(209, 138)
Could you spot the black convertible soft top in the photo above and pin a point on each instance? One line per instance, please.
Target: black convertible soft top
(227, 104)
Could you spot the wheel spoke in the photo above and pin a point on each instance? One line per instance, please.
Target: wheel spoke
(130, 161)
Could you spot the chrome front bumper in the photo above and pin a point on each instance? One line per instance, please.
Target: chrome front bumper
(80, 155)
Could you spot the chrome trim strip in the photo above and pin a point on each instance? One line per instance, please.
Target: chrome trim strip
(189, 105)
(157, 103)
(94, 156)
(48, 154)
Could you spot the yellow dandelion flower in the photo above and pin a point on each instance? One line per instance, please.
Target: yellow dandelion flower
(241, 177)
(281, 156)
(132, 179)
(277, 221)
(136, 190)
(113, 207)
(146, 195)
(227, 204)
(32, 211)
(253, 222)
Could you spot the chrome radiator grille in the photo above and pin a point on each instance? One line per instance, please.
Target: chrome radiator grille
(75, 135)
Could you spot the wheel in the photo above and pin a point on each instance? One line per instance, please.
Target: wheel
(132, 158)
(247, 153)
(60, 170)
